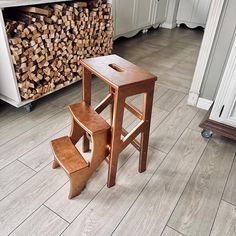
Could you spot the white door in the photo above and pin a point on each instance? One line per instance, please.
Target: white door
(224, 109)
(159, 11)
(125, 16)
(143, 13)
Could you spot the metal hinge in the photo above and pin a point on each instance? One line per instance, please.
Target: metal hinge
(221, 111)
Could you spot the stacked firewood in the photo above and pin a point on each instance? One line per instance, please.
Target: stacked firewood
(47, 43)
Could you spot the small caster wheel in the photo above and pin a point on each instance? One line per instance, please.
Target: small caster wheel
(144, 31)
(28, 107)
(206, 133)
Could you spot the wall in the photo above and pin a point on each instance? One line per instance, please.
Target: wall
(220, 51)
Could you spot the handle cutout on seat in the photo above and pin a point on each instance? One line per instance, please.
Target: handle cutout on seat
(116, 68)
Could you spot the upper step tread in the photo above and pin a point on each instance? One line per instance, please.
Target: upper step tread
(68, 155)
(88, 118)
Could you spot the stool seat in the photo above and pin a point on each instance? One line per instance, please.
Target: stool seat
(116, 71)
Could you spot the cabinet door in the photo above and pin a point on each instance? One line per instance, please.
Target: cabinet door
(200, 11)
(125, 16)
(224, 109)
(160, 11)
(185, 10)
(143, 13)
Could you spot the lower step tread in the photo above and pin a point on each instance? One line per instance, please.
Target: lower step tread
(68, 155)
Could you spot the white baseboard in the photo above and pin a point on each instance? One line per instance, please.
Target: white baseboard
(204, 103)
(167, 25)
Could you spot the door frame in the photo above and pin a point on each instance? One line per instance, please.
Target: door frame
(205, 50)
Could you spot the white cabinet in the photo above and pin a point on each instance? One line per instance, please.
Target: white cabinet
(193, 13)
(143, 13)
(224, 109)
(124, 16)
(134, 15)
(159, 11)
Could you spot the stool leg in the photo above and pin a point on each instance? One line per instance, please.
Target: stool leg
(87, 76)
(119, 104)
(148, 99)
(111, 105)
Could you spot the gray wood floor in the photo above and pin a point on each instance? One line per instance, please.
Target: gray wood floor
(189, 187)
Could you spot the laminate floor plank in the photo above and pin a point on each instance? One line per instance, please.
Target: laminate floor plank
(196, 210)
(41, 222)
(38, 204)
(106, 210)
(29, 197)
(68, 209)
(32, 138)
(26, 122)
(13, 176)
(197, 120)
(225, 222)
(151, 211)
(173, 82)
(170, 232)
(9, 113)
(169, 100)
(230, 190)
(41, 155)
(66, 96)
(166, 135)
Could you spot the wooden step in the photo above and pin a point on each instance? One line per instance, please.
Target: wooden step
(88, 118)
(68, 155)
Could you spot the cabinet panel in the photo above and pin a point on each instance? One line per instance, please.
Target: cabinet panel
(160, 11)
(224, 109)
(193, 13)
(125, 16)
(143, 15)
(185, 10)
(200, 11)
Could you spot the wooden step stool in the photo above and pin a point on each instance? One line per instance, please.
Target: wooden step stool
(85, 120)
(124, 80)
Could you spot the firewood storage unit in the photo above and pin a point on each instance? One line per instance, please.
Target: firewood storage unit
(34, 65)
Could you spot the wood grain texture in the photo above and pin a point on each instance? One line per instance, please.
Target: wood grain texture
(165, 136)
(29, 197)
(109, 206)
(174, 82)
(169, 100)
(66, 96)
(204, 190)
(159, 91)
(41, 222)
(67, 155)
(116, 71)
(28, 121)
(67, 209)
(225, 222)
(197, 120)
(41, 155)
(88, 118)
(170, 232)
(151, 211)
(230, 190)
(16, 148)
(13, 176)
